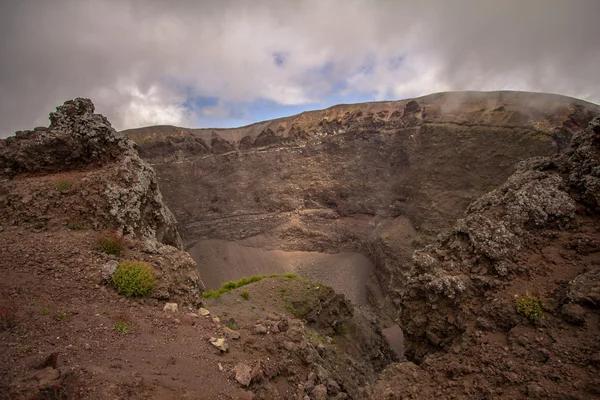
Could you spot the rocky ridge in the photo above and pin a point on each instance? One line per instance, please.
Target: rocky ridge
(538, 233)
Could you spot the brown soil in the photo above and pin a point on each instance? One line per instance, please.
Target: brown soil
(53, 289)
(51, 283)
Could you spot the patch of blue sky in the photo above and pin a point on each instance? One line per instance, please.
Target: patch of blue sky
(280, 58)
(367, 68)
(396, 62)
(194, 102)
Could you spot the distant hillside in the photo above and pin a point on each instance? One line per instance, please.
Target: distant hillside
(544, 112)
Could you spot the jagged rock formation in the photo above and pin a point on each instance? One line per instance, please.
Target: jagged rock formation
(120, 188)
(76, 138)
(79, 172)
(537, 233)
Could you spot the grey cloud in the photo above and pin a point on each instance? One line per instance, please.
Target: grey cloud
(138, 60)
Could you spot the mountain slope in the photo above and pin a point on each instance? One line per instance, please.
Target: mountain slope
(378, 178)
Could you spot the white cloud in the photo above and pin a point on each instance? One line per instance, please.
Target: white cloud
(140, 60)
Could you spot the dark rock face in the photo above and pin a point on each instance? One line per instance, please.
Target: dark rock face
(76, 137)
(582, 164)
(458, 303)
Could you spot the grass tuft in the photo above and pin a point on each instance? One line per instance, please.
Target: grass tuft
(122, 323)
(75, 225)
(529, 306)
(134, 279)
(231, 285)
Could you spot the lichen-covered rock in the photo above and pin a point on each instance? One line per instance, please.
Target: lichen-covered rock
(437, 296)
(76, 137)
(586, 288)
(132, 199)
(582, 163)
(120, 188)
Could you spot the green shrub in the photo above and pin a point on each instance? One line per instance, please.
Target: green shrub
(60, 316)
(231, 325)
(134, 279)
(340, 329)
(529, 306)
(110, 244)
(245, 295)
(211, 294)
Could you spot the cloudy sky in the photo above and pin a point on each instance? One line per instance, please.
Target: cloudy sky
(223, 63)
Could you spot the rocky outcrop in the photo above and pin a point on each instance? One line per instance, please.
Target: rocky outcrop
(93, 167)
(531, 240)
(82, 175)
(75, 138)
(481, 253)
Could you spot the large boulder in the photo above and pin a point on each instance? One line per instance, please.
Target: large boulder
(76, 137)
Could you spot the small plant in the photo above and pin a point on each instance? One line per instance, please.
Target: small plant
(245, 295)
(70, 387)
(18, 330)
(340, 329)
(232, 325)
(24, 350)
(134, 279)
(110, 244)
(60, 316)
(529, 306)
(229, 286)
(122, 323)
(122, 327)
(75, 225)
(63, 185)
(316, 339)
